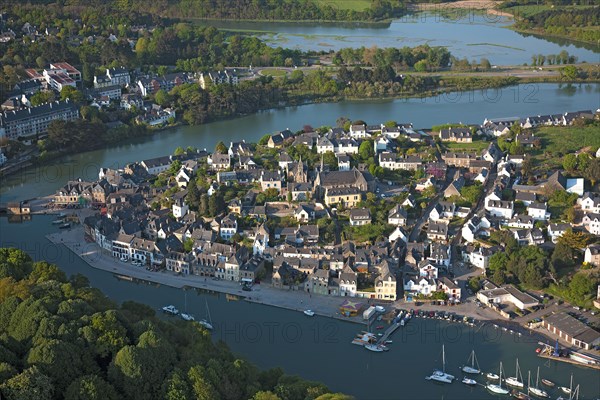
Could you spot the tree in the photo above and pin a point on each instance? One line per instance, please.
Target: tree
(188, 245)
(471, 193)
(74, 95)
(91, 387)
(421, 66)
(570, 162)
(163, 98)
(485, 64)
(192, 198)
(31, 384)
(43, 272)
(105, 334)
(365, 151)
(581, 287)
(264, 140)
(221, 148)
(41, 98)
(216, 204)
(592, 171)
(569, 72)
(177, 387)
(179, 151)
(574, 240)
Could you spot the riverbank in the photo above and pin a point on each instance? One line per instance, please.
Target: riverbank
(479, 5)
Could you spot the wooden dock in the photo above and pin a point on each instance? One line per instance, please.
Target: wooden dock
(388, 332)
(568, 361)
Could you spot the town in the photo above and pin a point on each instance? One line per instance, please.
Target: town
(384, 213)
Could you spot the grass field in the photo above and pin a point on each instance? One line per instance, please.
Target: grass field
(558, 141)
(273, 72)
(356, 5)
(528, 11)
(474, 146)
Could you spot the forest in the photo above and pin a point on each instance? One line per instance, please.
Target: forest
(62, 339)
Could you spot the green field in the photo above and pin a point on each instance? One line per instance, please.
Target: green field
(558, 141)
(528, 11)
(273, 72)
(474, 146)
(356, 5)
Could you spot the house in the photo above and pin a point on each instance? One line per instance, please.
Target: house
(440, 254)
(420, 285)
(482, 176)
(32, 123)
(219, 162)
(155, 166)
(343, 162)
(591, 222)
(475, 227)
(526, 197)
(499, 208)
(478, 257)
(228, 227)
(179, 262)
(572, 330)
(348, 280)
(442, 210)
(592, 255)
(428, 269)
(555, 231)
(538, 211)
(409, 201)
(381, 143)
(437, 230)
(227, 76)
(457, 159)
(507, 295)
(363, 181)
(521, 222)
(359, 131)
(252, 270)
(449, 287)
(179, 207)
(277, 139)
(300, 191)
(397, 216)
(324, 145)
(590, 202)
(304, 213)
(454, 187)
(385, 283)
(346, 146)
(398, 234)
(458, 135)
(360, 216)
(349, 197)
(317, 282)
(156, 116)
(271, 180)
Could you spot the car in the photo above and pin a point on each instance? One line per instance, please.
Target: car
(246, 288)
(380, 309)
(123, 259)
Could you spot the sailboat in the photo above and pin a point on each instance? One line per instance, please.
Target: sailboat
(471, 369)
(497, 389)
(184, 315)
(517, 380)
(441, 376)
(567, 390)
(207, 323)
(536, 391)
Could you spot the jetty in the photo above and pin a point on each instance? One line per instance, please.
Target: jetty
(388, 332)
(575, 358)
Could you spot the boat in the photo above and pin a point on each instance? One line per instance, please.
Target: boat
(517, 380)
(548, 383)
(471, 369)
(374, 347)
(187, 317)
(66, 225)
(170, 309)
(520, 395)
(441, 376)
(58, 221)
(567, 390)
(364, 338)
(469, 381)
(388, 342)
(207, 323)
(492, 376)
(497, 388)
(310, 313)
(536, 391)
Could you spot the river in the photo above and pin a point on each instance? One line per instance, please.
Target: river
(319, 348)
(467, 107)
(466, 34)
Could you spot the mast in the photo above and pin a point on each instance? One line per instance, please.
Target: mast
(500, 380)
(518, 372)
(443, 359)
(528, 380)
(537, 380)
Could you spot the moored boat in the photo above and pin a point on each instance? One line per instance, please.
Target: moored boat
(492, 376)
(375, 348)
(441, 376)
(520, 395)
(536, 391)
(310, 313)
(471, 369)
(170, 309)
(207, 322)
(497, 388)
(187, 317)
(548, 383)
(517, 380)
(469, 381)
(65, 226)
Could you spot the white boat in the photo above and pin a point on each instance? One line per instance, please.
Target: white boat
(492, 376)
(170, 309)
(497, 388)
(310, 313)
(374, 347)
(567, 390)
(380, 309)
(441, 376)
(58, 221)
(364, 338)
(207, 323)
(471, 369)
(187, 317)
(469, 381)
(517, 380)
(536, 391)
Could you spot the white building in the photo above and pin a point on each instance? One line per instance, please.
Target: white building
(538, 211)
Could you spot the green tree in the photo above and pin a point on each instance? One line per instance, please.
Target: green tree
(421, 66)
(71, 93)
(221, 148)
(177, 387)
(41, 98)
(216, 204)
(471, 193)
(91, 387)
(569, 72)
(31, 384)
(188, 245)
(264, 140)
(105, 334)
(163, 98)
(592, 171)
(14, 263)
(179, 151)
(581, 287)
(569, 162)
(192, 198)
(201, 386)
(365, 150)
(43, 272)
(265, 396)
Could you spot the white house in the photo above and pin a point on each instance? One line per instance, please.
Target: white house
(591, 222)
(346, 146)
(325, 145)
(428, 270)
(476, 226)
(397, 216)
(360, 216)
(381, 144)
(479, 257)
(442, 210)
(557, 230)
(590, 202)
(440, 254)
(592, 255)
(538, 211)
(418, 285)
(398, 233)
(228, 227)
(358, 131)
(180, 207)
(521, 222)
(500, 208)
(343, 162)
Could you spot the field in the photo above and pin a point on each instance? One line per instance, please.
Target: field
(476, 146)
(276, 73)
(557, 141)
(356, 5)
(528, 11)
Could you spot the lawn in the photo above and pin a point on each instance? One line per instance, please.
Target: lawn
(477, 145)
(356, 5)
(273, 72)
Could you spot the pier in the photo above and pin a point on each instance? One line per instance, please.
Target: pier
(388, 332)
(569, 361)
